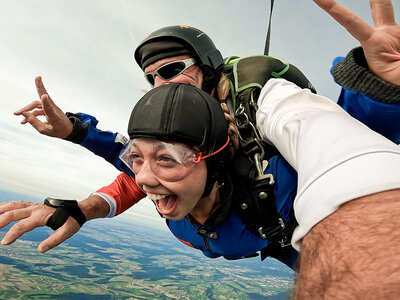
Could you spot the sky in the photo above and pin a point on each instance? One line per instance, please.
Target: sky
(84, 52)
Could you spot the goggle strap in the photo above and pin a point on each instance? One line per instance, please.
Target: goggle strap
(201, 157)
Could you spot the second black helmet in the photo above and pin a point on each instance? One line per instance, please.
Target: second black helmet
(177, 40)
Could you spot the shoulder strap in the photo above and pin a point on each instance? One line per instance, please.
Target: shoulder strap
(255, 71)
(254, 203)
(254, 200)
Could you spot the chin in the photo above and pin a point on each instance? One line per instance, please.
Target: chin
(174, 217)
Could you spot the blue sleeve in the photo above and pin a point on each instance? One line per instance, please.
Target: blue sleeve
(367, 98)
(380, 117)
(105, 144)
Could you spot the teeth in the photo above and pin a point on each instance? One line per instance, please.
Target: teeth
(156, 197)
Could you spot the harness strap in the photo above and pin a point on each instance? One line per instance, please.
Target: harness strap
(254, 202)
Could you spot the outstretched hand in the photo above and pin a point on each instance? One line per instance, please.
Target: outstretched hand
(381, 44)
(57, 123)
(30, 216)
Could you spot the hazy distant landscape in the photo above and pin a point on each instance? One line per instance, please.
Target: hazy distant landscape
(122, 259)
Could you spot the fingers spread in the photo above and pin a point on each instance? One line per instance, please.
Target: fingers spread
(30, 217)
(356, 26)
(14, 214)
(382, 12)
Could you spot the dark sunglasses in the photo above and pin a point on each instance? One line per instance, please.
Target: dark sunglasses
(170, 70)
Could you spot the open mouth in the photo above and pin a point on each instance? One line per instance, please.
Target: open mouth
(165, 204)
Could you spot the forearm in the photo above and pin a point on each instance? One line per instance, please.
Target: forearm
(94, 207)
(329, 149)
(355, 252)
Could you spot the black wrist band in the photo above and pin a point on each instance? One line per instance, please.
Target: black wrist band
(64, 210)
(79, 131)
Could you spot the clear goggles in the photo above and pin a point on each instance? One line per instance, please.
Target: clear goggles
(170, 70)
(167, 160)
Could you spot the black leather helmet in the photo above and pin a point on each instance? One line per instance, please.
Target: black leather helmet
(177, 40)
(179, 112)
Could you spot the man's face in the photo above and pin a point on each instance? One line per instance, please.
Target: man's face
(191, 75)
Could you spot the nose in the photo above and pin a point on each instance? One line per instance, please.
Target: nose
(145, 175)
(158, 81)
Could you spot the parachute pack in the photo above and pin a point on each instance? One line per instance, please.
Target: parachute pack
(255, 201)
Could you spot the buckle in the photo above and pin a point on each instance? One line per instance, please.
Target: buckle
(268, 233)
(261, 167)
(284, 242)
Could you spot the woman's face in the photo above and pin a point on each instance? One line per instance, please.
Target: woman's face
(167, 174)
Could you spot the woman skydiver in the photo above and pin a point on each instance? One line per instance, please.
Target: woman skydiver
(180, 154)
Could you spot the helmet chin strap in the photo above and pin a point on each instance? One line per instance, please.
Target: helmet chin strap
(214, 170)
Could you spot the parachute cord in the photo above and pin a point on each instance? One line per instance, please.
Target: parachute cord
(267, 42)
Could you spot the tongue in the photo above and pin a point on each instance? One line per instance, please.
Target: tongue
(166, 203)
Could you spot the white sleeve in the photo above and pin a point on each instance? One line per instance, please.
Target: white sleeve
(111, 202)
(337, 158)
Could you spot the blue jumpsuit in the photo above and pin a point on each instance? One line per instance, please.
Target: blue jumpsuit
(224, 234)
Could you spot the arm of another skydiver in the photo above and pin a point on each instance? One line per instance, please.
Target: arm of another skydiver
(366, 97)
(31, 215)
(370, 76)
(78, 128)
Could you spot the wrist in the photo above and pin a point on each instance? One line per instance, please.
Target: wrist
(353, 74)
(94, 207)
(78, 129)
(68, 129)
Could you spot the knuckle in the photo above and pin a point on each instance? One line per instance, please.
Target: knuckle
(20, 227)
(15, 204)
(8, 215)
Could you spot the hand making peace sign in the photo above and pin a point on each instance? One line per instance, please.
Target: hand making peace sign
(381, 44)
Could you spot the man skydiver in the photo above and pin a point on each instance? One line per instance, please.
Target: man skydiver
(386, 88)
